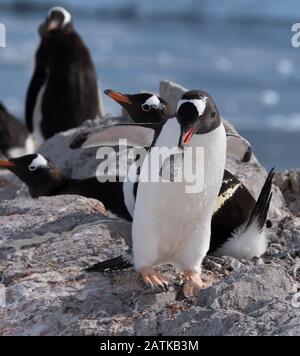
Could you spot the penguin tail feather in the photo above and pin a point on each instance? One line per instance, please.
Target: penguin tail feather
(120, 263)
(260, 211)
(249, 240)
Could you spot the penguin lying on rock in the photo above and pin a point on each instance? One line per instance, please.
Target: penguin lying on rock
(14, 138)
(169, 225)
(43, 178)
(63, 91)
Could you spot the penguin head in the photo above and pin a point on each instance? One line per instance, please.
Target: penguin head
(197, 114)
(58, 22)
(142, 108)
(36, 171)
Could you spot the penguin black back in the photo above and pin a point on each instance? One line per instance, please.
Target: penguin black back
(63, 92)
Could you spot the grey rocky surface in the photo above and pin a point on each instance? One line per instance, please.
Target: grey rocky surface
(45, 245)
(289, 184)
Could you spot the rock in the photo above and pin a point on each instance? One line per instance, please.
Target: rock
(295, 181)
(247, 286)
(47, 243)
(289, 184)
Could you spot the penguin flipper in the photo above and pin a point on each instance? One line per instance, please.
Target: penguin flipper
(120, 263)
(141, 135)
(38, 80)
(238, 147)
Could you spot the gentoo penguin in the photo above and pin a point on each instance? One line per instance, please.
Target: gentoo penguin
(234, 209)
(172, 223)
(150, 108)
(14, 138)
(44, 179)
(143, 107)
(63, 92)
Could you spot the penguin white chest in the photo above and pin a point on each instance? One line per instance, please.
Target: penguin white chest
(171, 225)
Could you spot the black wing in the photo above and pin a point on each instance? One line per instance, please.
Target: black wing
(38, 80)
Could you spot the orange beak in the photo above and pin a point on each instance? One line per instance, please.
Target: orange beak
(118, 97)
(6, 164)
(188, 136)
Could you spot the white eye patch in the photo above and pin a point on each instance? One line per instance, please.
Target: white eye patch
(200, 104)
(152, 102)
(38, 162)
(67, 15)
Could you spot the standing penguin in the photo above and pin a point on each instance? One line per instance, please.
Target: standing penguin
(14, 138)
(170, 225)
(63, 92)
(239, 221)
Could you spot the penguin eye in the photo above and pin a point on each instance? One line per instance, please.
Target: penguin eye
(146, 107)
(32, 168)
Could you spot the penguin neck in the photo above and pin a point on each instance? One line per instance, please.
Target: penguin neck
(50, 186)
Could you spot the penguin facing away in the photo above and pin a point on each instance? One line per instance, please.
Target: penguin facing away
(14, 138)
(177, 233)
(63, 91)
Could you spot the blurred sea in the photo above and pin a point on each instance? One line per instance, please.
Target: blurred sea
(241, 53)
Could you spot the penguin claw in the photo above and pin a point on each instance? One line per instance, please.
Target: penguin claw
(154, 280)
(193, 285)
(164, 288)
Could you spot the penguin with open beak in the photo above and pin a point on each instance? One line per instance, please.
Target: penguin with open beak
(170, 224)
(238, 223)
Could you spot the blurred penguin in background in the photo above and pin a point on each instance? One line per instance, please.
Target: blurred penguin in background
(63, 91)
(15, 140)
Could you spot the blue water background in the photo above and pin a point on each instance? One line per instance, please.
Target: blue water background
(238, 50)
